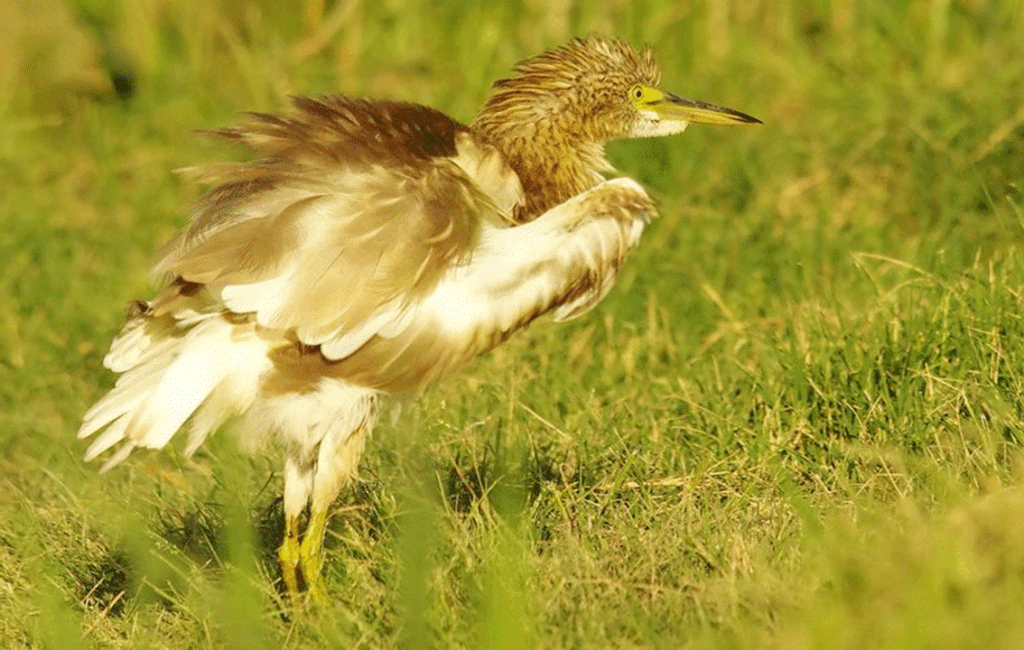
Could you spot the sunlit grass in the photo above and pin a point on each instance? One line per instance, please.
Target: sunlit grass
(795, 423)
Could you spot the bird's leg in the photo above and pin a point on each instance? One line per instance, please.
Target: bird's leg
(298, 483)
(311, 557)
(336, 465)
(288, 556)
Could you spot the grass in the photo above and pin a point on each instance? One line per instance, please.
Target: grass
(795, 423)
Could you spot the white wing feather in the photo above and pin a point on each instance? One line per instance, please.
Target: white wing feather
(152, 400)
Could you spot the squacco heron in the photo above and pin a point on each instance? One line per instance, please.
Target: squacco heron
(374, 247)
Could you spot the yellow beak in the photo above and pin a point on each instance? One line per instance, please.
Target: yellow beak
(674, 107)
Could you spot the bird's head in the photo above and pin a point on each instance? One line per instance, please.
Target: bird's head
(551, 120)
(592, 90)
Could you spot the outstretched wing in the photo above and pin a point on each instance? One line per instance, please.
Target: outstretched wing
(351, 213)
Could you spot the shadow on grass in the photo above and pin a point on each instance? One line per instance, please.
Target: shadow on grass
(156, 565)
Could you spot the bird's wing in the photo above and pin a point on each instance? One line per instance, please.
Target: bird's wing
(351, 213)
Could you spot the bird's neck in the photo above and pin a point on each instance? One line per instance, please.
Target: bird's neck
(553, 164)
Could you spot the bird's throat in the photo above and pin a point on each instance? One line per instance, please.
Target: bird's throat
(551, 172)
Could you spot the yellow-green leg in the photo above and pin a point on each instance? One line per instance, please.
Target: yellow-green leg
(316, 484)
(298, 484)
(336, 465)
(311, 556)
(289, 556)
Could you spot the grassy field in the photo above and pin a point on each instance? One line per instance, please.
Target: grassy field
(797, 421)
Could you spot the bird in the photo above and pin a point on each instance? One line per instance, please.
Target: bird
(370, 248)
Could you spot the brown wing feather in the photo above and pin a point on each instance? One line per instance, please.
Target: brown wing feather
(299, 153)
(353, 207)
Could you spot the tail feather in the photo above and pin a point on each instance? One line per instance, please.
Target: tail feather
(183, 387)
(121, 454)
(131, 388)
(229, 398)
(140, 341)
(113, 435)
(169, 373)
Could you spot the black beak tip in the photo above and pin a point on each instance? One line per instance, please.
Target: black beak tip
(749, 119)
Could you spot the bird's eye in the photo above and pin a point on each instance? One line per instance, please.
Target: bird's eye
(637, 92)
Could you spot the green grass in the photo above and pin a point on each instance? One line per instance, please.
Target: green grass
(797, 421)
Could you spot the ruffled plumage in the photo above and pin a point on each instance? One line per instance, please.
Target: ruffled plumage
(371, 248)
